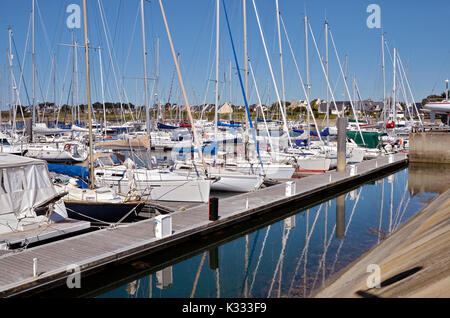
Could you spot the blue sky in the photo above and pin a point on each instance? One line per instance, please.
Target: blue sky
(418, 29)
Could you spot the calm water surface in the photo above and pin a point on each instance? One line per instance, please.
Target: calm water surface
(295, 256)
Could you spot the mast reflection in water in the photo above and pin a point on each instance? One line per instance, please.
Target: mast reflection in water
(296, 256)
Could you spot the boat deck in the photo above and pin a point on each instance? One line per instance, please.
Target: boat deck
(94, 250)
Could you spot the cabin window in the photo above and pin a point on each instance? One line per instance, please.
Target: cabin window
(115, 159)
(102, 162)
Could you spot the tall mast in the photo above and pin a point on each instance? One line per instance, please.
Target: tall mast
(88, 87)
(327, 74)
(384, 75)
(244, 12)
(183, 90)
(285, 125)
(34, 66)
(13, 86)
(281, 58)
(308, 86)
(77, 96)
(54, 87)
(157, 80)
(245, 48)
(231, 81)
(144, 57)
(103, 88)
(9, 85)
(394, 111)
(217, 71)
(73, 77)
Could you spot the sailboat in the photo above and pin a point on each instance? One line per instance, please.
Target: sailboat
(151, 183)
(228, 178)
(96, 204)
(67, 152)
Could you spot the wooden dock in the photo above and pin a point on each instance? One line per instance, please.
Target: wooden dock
(92, 251)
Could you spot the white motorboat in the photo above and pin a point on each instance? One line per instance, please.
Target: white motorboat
(227, 179)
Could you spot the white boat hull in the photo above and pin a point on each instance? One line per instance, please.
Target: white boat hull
(313, 165)
(271, 171)
(236, 182)
(156, 186)
(186, 191)
(54, 153)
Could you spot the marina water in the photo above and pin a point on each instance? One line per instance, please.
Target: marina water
(292, 257)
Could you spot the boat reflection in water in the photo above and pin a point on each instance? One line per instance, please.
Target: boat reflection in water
(291, 255)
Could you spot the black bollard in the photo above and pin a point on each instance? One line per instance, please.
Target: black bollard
(213, 209)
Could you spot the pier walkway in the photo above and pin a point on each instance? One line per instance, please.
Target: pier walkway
(92, 251)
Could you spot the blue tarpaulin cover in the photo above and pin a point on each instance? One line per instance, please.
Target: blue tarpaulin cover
(324, 133)
(68, 170)
(206, 150)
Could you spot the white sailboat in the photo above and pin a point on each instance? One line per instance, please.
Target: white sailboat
(101, 205)
(226, 178)
(151, 184)
(68, 151)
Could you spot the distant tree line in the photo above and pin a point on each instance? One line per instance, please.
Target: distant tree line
(433, 98)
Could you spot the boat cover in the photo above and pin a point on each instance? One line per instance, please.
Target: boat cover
(209, 149)
(323, 133)
(68, 170)
(371, 139)
(24, 184)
